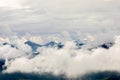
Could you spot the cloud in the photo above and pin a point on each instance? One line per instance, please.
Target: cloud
(69, 15)
(67, 61)
(97, 20)
(13, 4)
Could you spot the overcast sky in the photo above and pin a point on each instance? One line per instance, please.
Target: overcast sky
(52, 16)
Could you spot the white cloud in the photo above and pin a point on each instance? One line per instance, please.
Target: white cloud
(94, 19)
(69, 61)
(12, 4)
(71, 15)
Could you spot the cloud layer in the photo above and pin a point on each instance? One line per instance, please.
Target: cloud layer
(69, 61)
(40, 15)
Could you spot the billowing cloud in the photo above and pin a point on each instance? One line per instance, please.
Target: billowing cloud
(68, 61)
